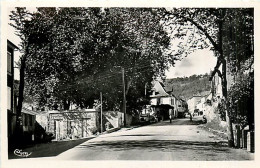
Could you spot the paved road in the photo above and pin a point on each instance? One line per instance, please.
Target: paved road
(179, 140)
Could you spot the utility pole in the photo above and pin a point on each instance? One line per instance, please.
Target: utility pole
(145, 95)
(124, 98)
(101, 111)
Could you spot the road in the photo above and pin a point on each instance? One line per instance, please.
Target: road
(179, 140)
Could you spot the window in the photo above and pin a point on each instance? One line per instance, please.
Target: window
(9, 98)
(172, 101)
(9, 63)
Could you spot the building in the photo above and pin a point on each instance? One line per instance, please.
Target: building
(11, 113)
(162, 102)
(216, 85)
(201, 106)
(182, 107)
(27, 121)
(192, 102)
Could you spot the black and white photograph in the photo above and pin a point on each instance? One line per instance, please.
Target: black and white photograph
(133, 83)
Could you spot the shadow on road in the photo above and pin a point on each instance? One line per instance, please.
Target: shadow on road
(156, 145)
(183, 121)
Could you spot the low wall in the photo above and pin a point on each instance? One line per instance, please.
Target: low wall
(213, 118)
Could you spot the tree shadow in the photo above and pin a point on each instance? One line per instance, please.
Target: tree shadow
(176, 122)
(157, 145)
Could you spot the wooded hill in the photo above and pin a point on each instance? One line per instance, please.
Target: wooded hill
(186, 87)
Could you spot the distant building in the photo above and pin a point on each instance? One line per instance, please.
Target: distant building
(192, 102)
(201, 106)
(216, 85)
(163, 103)
(182, 107)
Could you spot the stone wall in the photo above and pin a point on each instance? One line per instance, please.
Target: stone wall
(213, 118)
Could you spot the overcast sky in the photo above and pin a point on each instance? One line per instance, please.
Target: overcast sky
(199, 62)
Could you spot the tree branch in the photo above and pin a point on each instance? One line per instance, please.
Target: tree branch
(215, 45)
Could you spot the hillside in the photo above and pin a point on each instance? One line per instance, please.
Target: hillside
(186, 87)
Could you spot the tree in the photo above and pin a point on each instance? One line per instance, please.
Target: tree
(200, 28)
(77, 52)
(21, 20)
(238, 37)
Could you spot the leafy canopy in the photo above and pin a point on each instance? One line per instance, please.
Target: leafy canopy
(75, 53)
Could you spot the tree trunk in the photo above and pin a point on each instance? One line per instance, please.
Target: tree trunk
(66, 104)
(224, 83)
(224, 91)
(19, 130)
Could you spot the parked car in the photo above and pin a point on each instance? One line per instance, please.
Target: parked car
(147, 118)
(144, 118)
(186, 115)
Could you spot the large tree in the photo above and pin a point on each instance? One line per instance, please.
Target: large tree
(75, 53)
(198, 28)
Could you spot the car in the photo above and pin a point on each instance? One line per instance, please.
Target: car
(147, 118)
(144, 118)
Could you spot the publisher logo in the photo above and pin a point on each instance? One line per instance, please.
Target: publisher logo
(20, 153)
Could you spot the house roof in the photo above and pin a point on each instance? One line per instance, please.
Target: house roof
(12, 45)
(158, 87)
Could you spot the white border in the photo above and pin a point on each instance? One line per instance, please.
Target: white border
(122, 3)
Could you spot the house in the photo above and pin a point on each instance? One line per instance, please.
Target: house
(162, 102)
(27, 118)
(182, 107)
(216, 85)
(201, 106)
(192, 102)
(11, 113)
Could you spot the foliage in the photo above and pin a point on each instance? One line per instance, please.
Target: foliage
(193, 29)
(186, 87)
(229, 33)
(75, 53)
(241, 100)
(238, 38)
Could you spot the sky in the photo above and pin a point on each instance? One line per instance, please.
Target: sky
(199, 62)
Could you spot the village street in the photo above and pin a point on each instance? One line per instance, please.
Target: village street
(179, 140)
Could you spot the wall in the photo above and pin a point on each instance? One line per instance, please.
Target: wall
(63, 128)
(113, 119)
(166, 100)
(153, 101)
(192, 103)
(213, 119)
